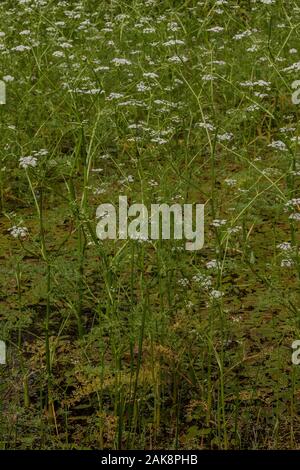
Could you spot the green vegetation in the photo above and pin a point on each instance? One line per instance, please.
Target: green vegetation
(131, 344)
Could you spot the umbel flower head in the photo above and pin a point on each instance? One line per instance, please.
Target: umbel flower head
(26, 162)
(18, 232)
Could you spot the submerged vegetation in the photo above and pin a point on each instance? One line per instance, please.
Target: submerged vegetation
(142, 344)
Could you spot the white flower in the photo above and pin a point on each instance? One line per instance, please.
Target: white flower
(176, 59)
(173, 26)
(213, 264)
(235, 229)
(139, 237)
(293, 202)
(29, 161)
(203, 280)
(216, 294)
(293, 67)
(252, 107)
(208, 77)
(183, 282)
(159, 141)
(218, 62)
(92, 91)
(205, 125)
(287, 129)
(286, 263)
(216, 29)
(121, 17)
(253, 48)
(261, 95)
(230, 181)
(101, 68)
(8, 78)
(18, 232)
(236, 319)
(285, 246)
(148, 30)
(66, 45)
(58, 54)
(41, 153)
(120, 61)
(244, 34)
(21, 48)
(173, 42)
(225, 137)
(150, 75)
(98, 191)
(278, 145)
(115, 96)
(141, 87)
(218, 222)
